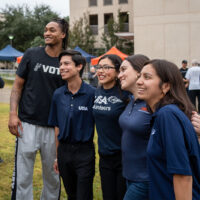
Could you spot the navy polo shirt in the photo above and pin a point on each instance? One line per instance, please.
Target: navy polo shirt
(108, 105)
(135, 124)
(72, 114)
(173, 148)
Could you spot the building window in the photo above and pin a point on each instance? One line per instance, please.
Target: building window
(107, 18)
(92, 2)
(124, 18)
(93, 20)
(123, 1)
(107, 2)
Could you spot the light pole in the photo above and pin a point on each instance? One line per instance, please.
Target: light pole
(11, 38)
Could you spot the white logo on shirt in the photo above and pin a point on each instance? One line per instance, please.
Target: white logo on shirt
(47, 69)
(101, 100)
(83, 108)
(106, 108)
(153, 131)
(114, 99)
(105, 100)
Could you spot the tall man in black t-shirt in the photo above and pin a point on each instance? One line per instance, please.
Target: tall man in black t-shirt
(36, 79)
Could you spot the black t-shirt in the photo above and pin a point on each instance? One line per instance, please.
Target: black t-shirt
(1, 83)
(183, 72)
(42, 77)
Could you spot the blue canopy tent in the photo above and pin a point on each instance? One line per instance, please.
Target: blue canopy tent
(9, 53)
(87, 56)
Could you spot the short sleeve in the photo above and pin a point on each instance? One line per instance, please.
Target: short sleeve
(52, 120)
(22, 70)
(175, 151)
(187, 75)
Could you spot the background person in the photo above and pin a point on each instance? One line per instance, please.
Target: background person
(135, 124)
(192, 77)
(1, 86)
(173, 151)
(71, 115)
(183, 71)
(109, 103)
(36, 79)
(1, 83)
(93, 80)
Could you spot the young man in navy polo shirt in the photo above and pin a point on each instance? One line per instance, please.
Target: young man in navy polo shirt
(71, 115)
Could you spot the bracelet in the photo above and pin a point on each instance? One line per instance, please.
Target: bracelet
(55, 160)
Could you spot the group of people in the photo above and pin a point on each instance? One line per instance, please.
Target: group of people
(191, 80)
(146, 125)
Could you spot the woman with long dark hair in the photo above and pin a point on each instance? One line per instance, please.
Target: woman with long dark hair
(173, 152)
(135, 124)
(109, 103)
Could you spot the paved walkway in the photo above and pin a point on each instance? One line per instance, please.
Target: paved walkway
(5, 95)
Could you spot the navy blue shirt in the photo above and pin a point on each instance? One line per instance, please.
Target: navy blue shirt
(72, 114)
(135, 124)
(173, 149)
(108, 106)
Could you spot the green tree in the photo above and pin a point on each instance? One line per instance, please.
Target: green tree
(81, 35)
(38, 41)
(109, 39)
(25, 25)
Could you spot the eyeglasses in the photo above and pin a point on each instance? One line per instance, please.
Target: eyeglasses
(104, 68)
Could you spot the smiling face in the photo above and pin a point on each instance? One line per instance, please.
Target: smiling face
(68, 69)
(149, 88)
(128, 76)
(106, 73)
(53, 34)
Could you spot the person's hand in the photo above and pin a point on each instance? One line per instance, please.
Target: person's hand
(14, 123)
(196, 122)
(55, 166)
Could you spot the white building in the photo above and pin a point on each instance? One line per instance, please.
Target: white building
(100, 11)
(168, 29)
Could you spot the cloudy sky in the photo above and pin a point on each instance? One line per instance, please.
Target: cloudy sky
(59, 6)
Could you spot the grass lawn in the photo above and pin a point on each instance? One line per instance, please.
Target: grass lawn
(8, 83)
(7, 148)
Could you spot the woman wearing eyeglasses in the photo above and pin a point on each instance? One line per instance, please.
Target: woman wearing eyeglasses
(109, 103)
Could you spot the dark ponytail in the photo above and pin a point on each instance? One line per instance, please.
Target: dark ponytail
(65, 28)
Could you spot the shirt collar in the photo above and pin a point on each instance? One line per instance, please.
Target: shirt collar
(135, 101)
(82, 89)
(108, 90)
(156, 112)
